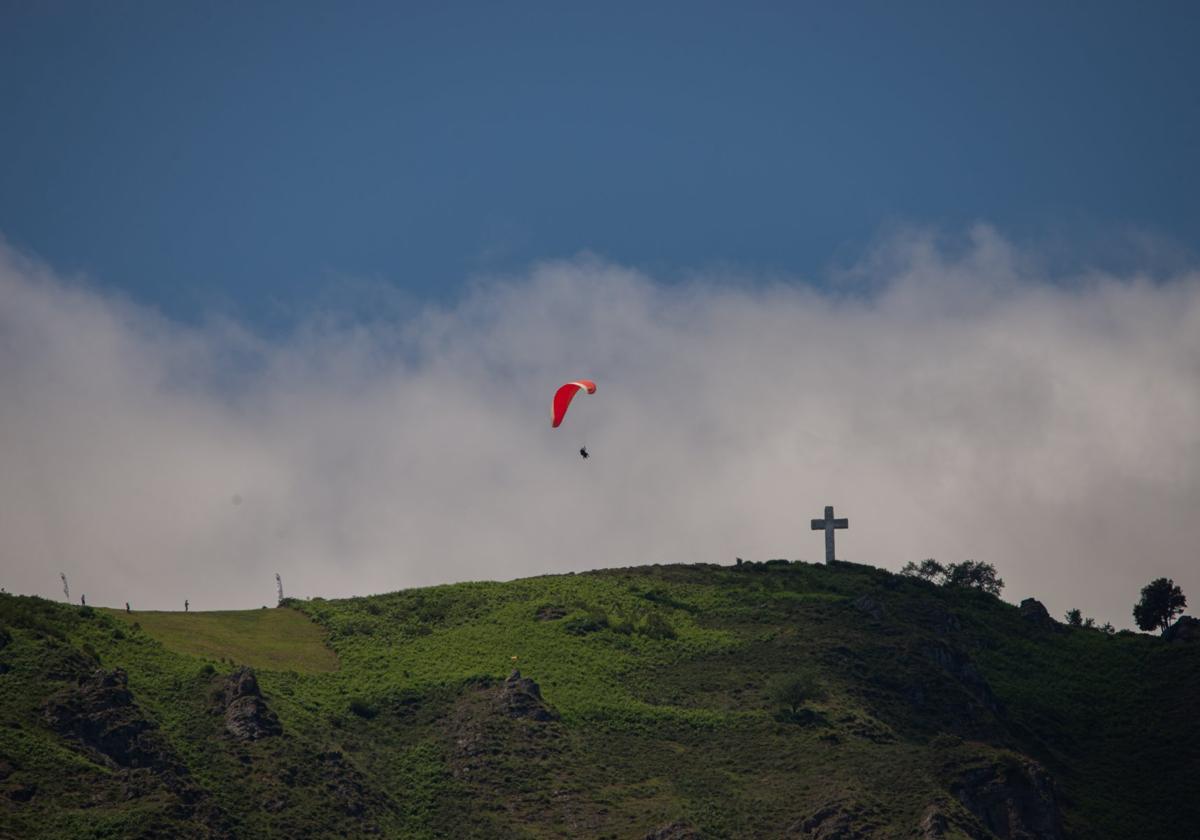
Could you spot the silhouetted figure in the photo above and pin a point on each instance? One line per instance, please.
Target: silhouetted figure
(583, 452)
(82, 600)
(127, 607)
(185, 605)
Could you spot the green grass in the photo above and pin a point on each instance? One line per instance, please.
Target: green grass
(662, 678)
(279, 639)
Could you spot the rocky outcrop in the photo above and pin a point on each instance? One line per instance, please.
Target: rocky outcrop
(247, 716)
(344, 785)
(100, 714)
(934, 824)
(839, 820)
(522, 698)
(1186, 629)
(14, 790)
(958, 665)
(1034, 611)
(677, 830)
(1014, 800)
(869, 606)
(498, 721)
(942, 822)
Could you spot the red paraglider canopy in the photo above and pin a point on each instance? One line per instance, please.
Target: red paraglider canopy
(563, 397)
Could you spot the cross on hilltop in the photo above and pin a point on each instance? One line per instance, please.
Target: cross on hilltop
(827, 525)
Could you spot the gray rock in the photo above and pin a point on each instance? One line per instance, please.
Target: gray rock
(947, 623)
(99, 712)
(870, 606)
(941, 821)
(101, 716)
(959, 665)
(522, 698)
(1186, 629)
(677, 830)
(1034, 611)
(247, 716)
(1013, 800)
(934, 824)
(838, 820)
(347, 788)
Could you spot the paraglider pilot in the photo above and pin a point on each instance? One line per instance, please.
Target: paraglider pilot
(562, 399)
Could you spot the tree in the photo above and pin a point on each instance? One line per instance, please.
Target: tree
(1108, 628)
(794, 690)
(970, 574)
(1074, 617)
(1161, 601)
(929, 569)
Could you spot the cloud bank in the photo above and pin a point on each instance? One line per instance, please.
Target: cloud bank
(950, 401)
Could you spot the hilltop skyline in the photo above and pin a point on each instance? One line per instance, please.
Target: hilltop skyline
(961, 410)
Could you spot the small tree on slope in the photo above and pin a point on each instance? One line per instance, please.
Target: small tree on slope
(930, 570)
(1161, 601)
(970, 574)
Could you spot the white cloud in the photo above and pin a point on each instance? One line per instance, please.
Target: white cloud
(956, 405)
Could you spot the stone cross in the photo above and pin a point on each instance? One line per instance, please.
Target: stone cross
(827, 525)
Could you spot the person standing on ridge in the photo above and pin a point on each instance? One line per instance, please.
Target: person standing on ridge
(185, 605)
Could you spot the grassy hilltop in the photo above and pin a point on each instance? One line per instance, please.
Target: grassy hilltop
(654, 711)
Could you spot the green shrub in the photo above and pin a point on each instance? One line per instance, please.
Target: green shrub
(657, 596)
(654, 626)
(945, 741)
(621, 624)
(794, 690)
(363, 708)
(356, 627)
(591, 622)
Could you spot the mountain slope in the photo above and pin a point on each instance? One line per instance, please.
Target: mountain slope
(644, 707)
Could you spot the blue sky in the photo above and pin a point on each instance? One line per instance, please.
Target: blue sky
(244, 157)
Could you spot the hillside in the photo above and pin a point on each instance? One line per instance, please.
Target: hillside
(645, 707)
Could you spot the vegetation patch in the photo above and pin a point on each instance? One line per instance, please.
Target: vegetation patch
(727, 702)
(278, 639)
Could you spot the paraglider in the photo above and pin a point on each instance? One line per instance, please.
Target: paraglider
(562, 399)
